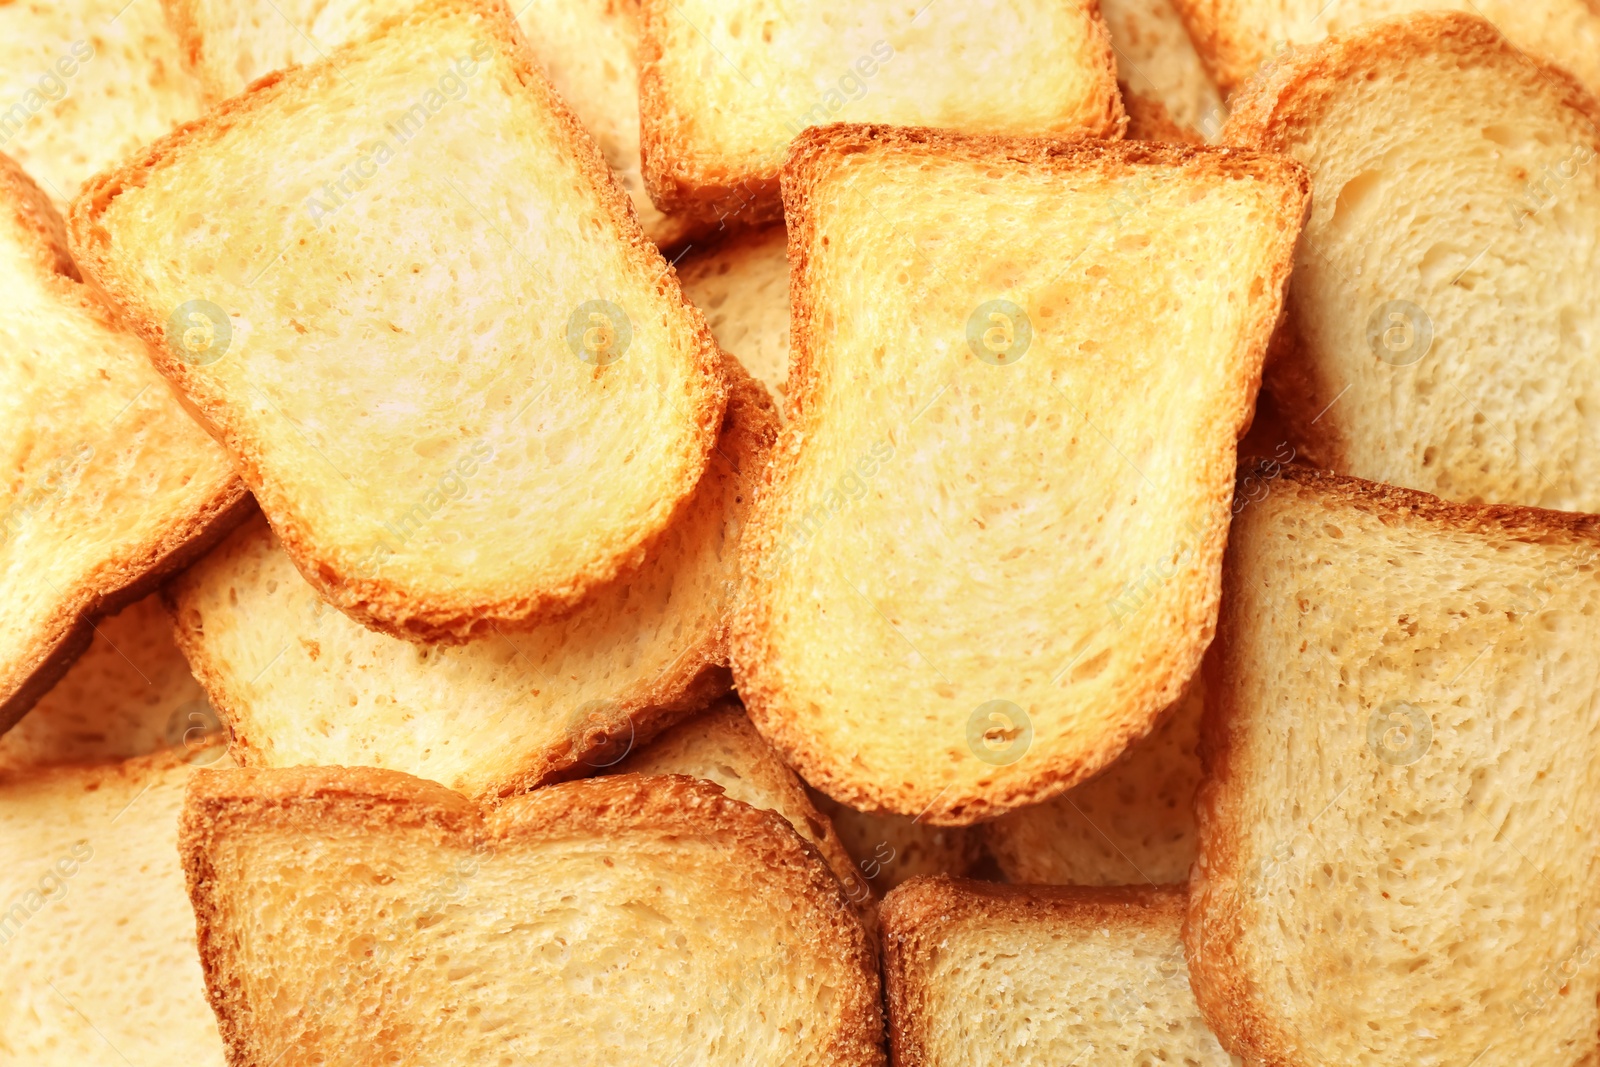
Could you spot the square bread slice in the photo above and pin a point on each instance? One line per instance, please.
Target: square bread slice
(891, 849)
(589, 49)
(130, 694)
(720, 746)
(1402, 750)
(355, 916)
(741, 285)
(437, 275)
(1131, 824)
(1034, 976)
(87, 83)
(106, 485)
(1442, 332)
(726, 85)
(298, 683)
(1166, 89)
(98, 965)
(1237, 38)
(986, 554)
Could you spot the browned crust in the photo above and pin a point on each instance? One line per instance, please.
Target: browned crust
(441, 617)
(681, 182)
(696, 678)
(70, 628)
(191, 44)
(812, 158)
(919, 916)
(377, 802)
(1149, 120)
(1224, 983)
(727, 718)
(135, 770)
(1277, 110)
(1229, 57)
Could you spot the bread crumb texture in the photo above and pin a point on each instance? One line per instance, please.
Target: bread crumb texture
(462, 384)
(1442, 318)
(1397, 848)
(647, 918)
(988, 549)
(1035, 976)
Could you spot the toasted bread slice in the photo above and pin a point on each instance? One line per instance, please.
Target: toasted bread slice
(588, 48)
(1441, 331)
(230, 43)
(448, 435)
(1037, 976)
(299, 683)
(1166, 90)
(98, 966)
(89, 82)
(741, 285)
(1390, 829)
(107, 485)
(1148, 120)
(980, 566)
(362, 916)
(1132, 824)
(130, 694)
(1237, 38)
(726, 85)
(721, 746)
(890, 849)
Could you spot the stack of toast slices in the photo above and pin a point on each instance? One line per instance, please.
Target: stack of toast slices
(720, 532)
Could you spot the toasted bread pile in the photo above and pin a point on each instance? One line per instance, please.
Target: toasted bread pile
(641, 533)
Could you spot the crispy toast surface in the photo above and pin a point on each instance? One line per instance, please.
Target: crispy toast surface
(1040, 976)
(1392, 825)
(107, 484)
(727, 84)
(588, 48)
(348, 915)
(1161, 74)
(1441, 333)
(987, 551)
(130, 694)
(890, 849)
(464, 396)
(88, 83)
(741, 285)
(1239, 39)
(301, 684)
(1131, 824)
(721, 746)
(98, 966)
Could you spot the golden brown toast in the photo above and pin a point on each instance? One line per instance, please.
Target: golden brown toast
(987, 552)
(450, 426)
(360, 916)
